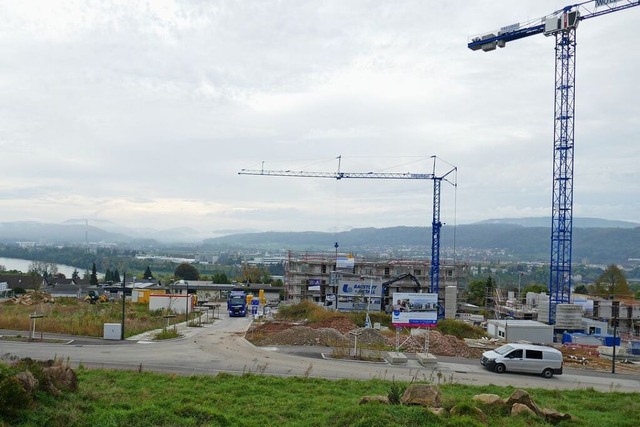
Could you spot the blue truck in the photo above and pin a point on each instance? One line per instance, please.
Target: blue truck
(237, 303)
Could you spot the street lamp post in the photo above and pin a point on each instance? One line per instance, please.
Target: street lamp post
(124, 282)
(186, 313)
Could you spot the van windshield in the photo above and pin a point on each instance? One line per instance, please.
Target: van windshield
(503, 349)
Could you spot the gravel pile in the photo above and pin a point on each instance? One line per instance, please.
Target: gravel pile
(336, 332)
(439, 345)
(305, 336)
(371, 338)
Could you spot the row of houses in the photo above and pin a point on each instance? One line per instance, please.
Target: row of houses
(78, 288)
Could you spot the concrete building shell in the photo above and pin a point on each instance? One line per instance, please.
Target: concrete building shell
(312, 270)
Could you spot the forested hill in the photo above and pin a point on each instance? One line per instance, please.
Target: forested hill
(597, 245)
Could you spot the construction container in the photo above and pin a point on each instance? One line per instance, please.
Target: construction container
(608, 341)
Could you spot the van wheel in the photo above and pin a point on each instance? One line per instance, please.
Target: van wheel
(499, 368)
(547, 373)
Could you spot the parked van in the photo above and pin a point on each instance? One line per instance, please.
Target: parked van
(536, 359)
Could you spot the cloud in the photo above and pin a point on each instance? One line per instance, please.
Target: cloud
(144, 112)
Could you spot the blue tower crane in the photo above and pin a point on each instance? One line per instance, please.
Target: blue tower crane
(562, 25)
(436, 225)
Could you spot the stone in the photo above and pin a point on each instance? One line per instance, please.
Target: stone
(471, 411)
(437, 411)
(554, 417)
(521, 408)
(60, 378)
(422, 394)
(521, 396)
(488, 399)
(374, 399)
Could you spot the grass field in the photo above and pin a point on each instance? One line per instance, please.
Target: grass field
(75, 317)
(117, 398)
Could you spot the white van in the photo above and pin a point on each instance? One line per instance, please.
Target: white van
(536, 359)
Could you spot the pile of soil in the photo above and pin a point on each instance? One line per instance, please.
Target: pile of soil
(340, 331)
(301, 335)
(439, 345)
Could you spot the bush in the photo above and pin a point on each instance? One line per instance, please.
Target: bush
(460, 329)
(13, 397)
(304, 310)
(359, 318)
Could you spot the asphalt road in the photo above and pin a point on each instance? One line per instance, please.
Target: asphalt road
(221, 347)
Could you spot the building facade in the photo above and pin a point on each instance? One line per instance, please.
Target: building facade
(312, 276)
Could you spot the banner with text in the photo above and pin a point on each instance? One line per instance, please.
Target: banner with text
(414, 310)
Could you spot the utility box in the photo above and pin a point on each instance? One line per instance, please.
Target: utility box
(112, 331)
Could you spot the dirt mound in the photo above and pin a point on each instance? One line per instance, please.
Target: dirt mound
(439, 345)
(370, 338)
(305, 336)
(339, 323)
(336, 332)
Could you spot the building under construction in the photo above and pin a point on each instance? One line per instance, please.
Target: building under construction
(314, 276)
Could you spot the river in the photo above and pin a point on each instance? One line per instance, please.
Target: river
(23, 265)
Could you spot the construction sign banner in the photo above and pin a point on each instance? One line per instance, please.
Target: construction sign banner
(414, 310)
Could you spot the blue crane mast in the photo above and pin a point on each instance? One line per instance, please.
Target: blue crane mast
(562, 25)
(436, 224)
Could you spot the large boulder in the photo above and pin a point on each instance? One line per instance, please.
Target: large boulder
(488, 399)
(426, 395)
(555, 417)
(60, 378)
(521, 408)
(522, 397)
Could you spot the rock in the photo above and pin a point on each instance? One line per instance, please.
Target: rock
(437, 411)
(28, 382)
(374, 399)
(471, 411)
(521, 408)
(488, 399)
(522, 397)
(554, 417)
(422, 394)
(60, 378)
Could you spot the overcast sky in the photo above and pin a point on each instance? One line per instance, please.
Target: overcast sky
(143, 112)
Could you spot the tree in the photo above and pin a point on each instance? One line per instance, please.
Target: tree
(116, 277)
(42, 268)
(187, 272)
(476, 292)
(220, 278)
(611, 283)
(254, 274)
(148, 274)
(581, 289)
(93, 280)
(75, 275)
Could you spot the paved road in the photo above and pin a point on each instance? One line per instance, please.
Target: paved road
(221, 347)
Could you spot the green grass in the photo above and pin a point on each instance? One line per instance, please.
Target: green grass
(116, 398)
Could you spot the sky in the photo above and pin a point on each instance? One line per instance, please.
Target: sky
(143, 112)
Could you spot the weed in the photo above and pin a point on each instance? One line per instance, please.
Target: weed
(396, 391)
(307, 372)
